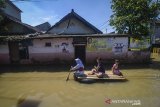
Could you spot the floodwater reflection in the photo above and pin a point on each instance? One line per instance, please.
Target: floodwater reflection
(28, 103)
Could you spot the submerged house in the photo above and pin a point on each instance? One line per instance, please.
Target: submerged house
(11, 23)
(12, 27)
(74, 37)
(67, 40)
(51, 48)
(70, 38)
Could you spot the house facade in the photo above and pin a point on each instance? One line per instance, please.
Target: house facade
(12, 10)
(11, 23)
(11, 26)
(52, 49)
(72, 37)
(65, 49)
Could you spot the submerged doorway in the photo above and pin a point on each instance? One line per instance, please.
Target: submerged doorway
(80, 52)
(14, 52)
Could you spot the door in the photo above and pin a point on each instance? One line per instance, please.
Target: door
(14, 52)
(23, 52)
(80, 52)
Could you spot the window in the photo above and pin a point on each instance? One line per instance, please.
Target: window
(48, 44)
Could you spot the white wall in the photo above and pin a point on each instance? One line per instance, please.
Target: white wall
(120, 42)
(39, 53)
(107, 48)
(56, 46)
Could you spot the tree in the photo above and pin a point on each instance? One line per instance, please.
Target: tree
(2, 5)
(134, 16)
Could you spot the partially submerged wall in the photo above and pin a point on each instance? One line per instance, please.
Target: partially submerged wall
(57, 50)
(111, 48)
(62, 50)
(4, 54)
(108, 48)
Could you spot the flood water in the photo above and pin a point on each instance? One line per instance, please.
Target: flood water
(48, 88)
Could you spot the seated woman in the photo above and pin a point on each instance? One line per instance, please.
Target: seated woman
(99, 70)
(79, 68)
(115, 69)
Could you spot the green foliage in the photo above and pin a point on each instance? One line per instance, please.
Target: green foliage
(2, 5)
(134, 16)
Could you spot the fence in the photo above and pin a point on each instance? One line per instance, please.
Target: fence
(156, 52)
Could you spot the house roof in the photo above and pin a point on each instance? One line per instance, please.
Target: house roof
(74, 36)
(29, 27)
(45, 23)
(50, 36)
(44, 26)
(78, 17)
(9, 2)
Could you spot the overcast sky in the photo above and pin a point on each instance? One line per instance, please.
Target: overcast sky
(97, 12)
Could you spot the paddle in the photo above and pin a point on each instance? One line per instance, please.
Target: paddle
(69, 74)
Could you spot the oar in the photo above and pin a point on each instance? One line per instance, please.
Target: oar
(69, 74)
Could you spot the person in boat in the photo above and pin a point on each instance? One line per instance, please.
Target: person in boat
(79, 68)
(115, 68)
(98, 70)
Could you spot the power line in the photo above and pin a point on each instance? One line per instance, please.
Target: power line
(103, 24)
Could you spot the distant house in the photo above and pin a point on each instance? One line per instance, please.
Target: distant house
(11, 23)
(12, 10)
(73, 24)
(43, 27)
(15, 27)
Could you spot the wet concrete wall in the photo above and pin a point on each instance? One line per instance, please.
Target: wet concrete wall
(62, 51)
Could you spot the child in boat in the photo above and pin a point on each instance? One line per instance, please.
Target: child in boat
(79, 68)
(115, 69)
(99, 70)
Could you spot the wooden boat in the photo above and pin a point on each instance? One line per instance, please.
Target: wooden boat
(93, 78)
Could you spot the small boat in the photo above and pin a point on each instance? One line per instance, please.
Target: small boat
(94, 78)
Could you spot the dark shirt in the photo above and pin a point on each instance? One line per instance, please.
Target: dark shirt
(101, 68)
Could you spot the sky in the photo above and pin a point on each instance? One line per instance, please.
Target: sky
(96, 12)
